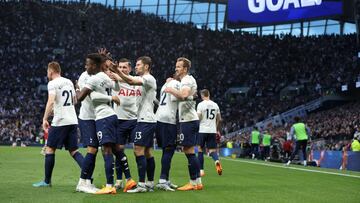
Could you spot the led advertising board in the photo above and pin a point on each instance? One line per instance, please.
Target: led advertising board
(246, 13)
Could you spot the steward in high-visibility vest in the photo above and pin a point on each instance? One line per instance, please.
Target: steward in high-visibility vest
(355, 146)
(266, 142)
(255, 140)
(301, 133)
(229, 145)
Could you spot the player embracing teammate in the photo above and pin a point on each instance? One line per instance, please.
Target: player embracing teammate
(117, 109)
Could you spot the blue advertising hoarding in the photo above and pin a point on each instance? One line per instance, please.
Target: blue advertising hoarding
(245, 13)
(325, 159)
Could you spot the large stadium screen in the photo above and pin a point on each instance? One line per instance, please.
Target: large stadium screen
(245, 13)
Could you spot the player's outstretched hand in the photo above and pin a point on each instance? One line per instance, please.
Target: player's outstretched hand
(115, 99)
(115, 76)
(45, 125)
(105, 52)
(113, 67)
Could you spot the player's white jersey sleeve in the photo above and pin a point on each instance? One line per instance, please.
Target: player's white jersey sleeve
(127, 110)
(208, 111)
(145, 103)
(87, 108)
(168, 104)
(101, 83)
(187, 110)
(64, 110)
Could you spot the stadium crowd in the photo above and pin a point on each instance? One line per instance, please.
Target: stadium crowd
(35, 32)
(331, 129)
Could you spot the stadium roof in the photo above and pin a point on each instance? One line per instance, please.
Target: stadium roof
(211, 1)
(212, 14)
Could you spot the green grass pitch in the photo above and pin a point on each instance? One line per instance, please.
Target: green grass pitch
(240, 182)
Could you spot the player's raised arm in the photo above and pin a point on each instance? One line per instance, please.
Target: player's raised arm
(116, 78)
(131, 80)
(104, 52)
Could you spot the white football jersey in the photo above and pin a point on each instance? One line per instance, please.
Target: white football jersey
(127, 110)
(187, 110)
(208, 110)
(145, 103)
(64, 110)
(101, 83)
(87, 108)
(168, 104)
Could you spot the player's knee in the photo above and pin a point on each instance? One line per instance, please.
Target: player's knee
(120, 147)
(189, 150)
(92, 150)
(148, 153)
(50, 150)
(212, 150)
(139, 150)
(107, 149)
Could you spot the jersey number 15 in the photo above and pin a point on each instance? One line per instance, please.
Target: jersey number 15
(210, 114)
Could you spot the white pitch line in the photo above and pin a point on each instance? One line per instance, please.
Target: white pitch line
(293, 168)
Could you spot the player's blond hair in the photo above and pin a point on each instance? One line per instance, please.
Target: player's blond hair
(54, 66)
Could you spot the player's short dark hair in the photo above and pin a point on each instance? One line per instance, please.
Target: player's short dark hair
(186, 62)
(145, 60)
(297, 119)
(96, 58)
(205, 92)
(125, 60)
(55, 66)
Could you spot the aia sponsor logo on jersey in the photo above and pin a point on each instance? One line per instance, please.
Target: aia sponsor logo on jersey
(130, 93)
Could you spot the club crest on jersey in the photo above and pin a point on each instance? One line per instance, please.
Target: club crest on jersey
(99, 135)
(130, 93)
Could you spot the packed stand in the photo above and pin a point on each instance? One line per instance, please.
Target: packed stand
(35, 32)
(332, 129)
